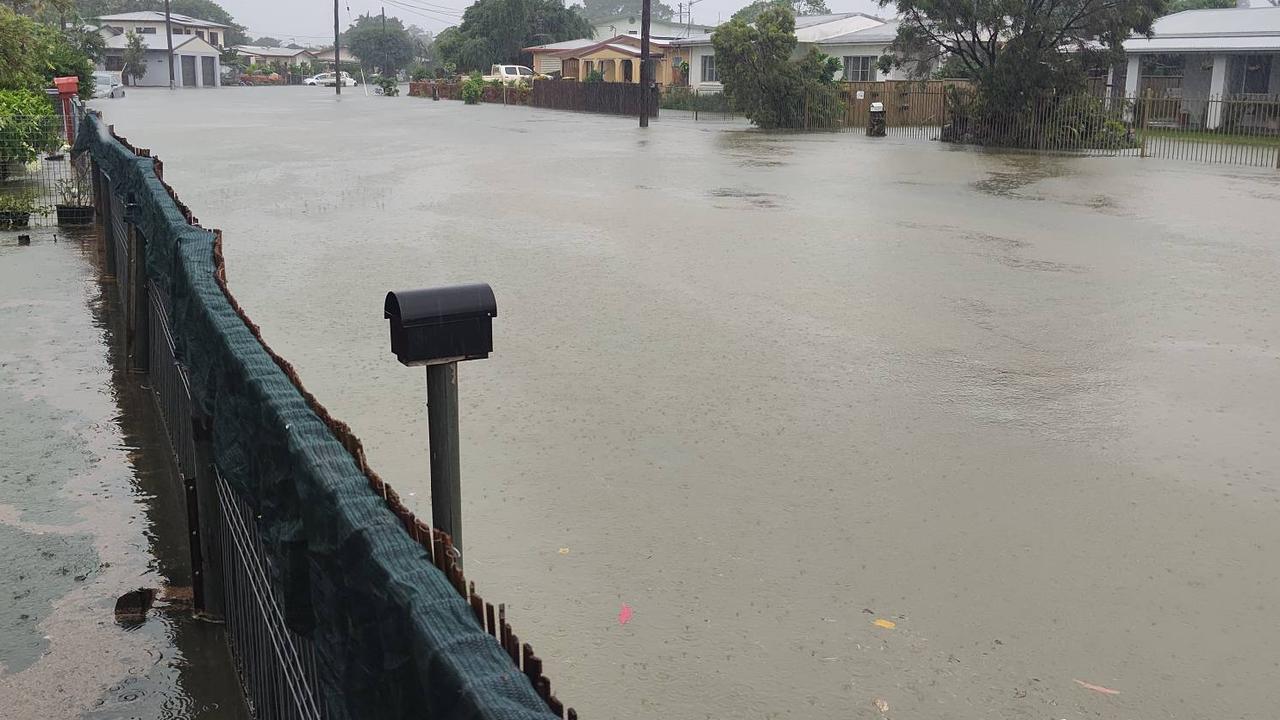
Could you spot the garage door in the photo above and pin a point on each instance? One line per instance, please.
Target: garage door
(207, 70)
(188, 71)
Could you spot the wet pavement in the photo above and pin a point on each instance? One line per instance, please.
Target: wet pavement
(88, 512)
(849, 424)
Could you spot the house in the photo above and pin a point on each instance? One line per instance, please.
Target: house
(545, 58)
(325, 57)
(196, 63)
(151, 22)
(810, 30)
(859, 53)
(257, 55)
(1196, 57)
(659, 29)
(618, 60)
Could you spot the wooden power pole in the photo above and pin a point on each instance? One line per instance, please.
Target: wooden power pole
(168, 31)
(337, 52)
(646, 79)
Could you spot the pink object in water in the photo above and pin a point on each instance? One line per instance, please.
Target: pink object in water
(624, 615)
(1097, 688)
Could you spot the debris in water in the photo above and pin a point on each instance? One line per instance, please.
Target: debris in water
(1097, 688)
(881, 704)
(132, 607)
(564, 551)
(624, 615)
(886, 624)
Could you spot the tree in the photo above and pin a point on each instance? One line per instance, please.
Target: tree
(33, 54)
(265, 41)
(495, 31)
(1018, 50)
(135, 57)
(799, 7)
(1180, 5)
(763, 81)
(596, 10)
(390, 50)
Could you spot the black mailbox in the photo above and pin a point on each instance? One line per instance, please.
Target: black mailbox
(441, 325)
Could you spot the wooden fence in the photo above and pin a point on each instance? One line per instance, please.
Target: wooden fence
(907, 103)
(601, 97)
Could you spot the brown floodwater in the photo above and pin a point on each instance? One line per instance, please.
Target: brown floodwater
(779, 392)
(90, 509)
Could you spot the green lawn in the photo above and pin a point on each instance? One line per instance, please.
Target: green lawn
(1210, 137)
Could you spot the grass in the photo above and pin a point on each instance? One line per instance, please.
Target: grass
(1211, 137)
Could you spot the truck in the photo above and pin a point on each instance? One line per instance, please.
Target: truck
(509, 74)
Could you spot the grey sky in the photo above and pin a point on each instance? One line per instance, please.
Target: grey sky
(311, 21)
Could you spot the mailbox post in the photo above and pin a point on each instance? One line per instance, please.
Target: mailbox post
(439, 327)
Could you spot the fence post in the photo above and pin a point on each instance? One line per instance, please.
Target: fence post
(1146, 115)
(138, 318)
(203, 520)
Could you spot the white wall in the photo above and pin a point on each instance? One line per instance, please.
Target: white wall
(657, 28)
(695, 69)
(875, 51)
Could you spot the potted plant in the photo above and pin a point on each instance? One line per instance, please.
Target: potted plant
(76, 207)
(16, 209)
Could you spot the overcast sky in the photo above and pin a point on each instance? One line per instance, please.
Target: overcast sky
(311, 21)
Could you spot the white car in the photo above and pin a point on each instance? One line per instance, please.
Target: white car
(327, 80)
(108, 84)
(509, 73)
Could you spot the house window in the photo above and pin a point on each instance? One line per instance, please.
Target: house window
(117, 29)
(145, 30)
(709, 73)
(200, 34)
(114, 63)
(859, 68)
(1255, 74)
(589, 67)
(213, 38)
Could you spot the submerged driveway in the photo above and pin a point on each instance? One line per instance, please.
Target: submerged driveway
(844, 422)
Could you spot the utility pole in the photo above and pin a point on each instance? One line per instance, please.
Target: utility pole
(385, 60)
(645, 69)
(168, 31)
(337, 52)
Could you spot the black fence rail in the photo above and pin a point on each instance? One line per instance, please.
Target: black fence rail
(339, 603)
(602, 97)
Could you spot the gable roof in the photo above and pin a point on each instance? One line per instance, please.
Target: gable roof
(159, 43)
(1230, 29)
(562, 45)
(156, 16)
(879, 34)
(626, 44)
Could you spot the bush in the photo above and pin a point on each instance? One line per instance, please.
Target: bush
(419, 72)
(1052, 121)
(473, 89)
(684, 98)
(28, 126)
(595, 76)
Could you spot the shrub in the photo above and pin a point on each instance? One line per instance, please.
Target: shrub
(28, 126)
(595, 76)
(473, 88)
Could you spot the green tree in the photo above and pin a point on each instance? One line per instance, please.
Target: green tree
(799, 7)
(135, 57)
(495, 31)
(763, 81)
(1180, 5)
(265, 41)
(596, 10)
(33, 54)
(390, 50)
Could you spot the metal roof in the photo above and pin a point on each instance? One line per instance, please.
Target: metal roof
(154, 41)
(880, 34)
(156, 16)
(1230, 29)
(563, 45)
(271, 51)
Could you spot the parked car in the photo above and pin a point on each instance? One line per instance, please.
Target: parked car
(327, 80)
(108, 84)
(509, 73)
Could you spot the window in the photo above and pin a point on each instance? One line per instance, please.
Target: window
(200, 34)
(709, 73)
(145, 30)
(859, 68)
(213, 38)
(524, 71)
(114, 63)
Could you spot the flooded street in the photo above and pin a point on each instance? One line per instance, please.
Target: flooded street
(846, 423)
(88, 512)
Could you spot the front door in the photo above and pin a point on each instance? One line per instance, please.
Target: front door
(188, 71)
(206, 67)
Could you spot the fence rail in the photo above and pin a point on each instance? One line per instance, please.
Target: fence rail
(293, 666)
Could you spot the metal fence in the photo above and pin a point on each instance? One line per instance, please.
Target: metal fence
(40, 183)
(279, 668)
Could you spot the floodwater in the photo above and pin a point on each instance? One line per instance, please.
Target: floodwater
(89, 511)
(849, 424)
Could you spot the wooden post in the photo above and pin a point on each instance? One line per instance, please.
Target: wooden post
(168, 31)
(442, 428)
(644, 63)
(1146, 118)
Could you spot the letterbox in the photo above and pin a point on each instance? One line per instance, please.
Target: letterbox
(441, 325)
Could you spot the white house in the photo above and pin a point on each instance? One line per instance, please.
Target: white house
(258, 55)
(326, 56)
(810, 30)
(661, 29)
(151, 22)
(196, 63)
(1200, 55)
(860, 51)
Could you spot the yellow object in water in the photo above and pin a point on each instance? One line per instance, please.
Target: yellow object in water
(886, 624)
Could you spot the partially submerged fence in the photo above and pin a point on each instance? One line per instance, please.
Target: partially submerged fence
(339, 603)
(601, 97)
(40, 182)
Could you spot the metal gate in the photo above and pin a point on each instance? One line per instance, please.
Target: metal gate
(207, 70)
(188, 71)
